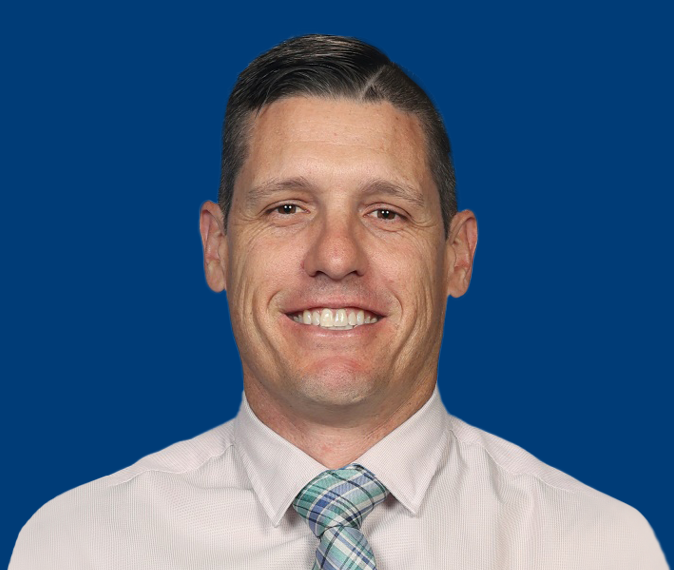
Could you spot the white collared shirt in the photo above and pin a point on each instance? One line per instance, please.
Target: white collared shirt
(460, 499)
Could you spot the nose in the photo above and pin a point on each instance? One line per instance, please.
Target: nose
(336, 249)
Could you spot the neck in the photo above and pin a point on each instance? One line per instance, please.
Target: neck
(336, 443)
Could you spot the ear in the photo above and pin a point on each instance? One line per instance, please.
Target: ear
(460, 251)
(214, 241)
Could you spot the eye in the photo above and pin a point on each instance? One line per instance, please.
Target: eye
(387, 215)
(286, 209)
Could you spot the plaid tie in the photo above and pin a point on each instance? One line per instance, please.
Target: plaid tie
(334, 504)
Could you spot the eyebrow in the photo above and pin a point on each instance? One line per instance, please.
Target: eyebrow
(273, 186)
(377, 186)
(396, 190)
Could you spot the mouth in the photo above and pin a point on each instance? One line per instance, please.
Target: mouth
(343, 319)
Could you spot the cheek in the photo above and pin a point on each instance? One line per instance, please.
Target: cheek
(416, 275)
(260, 269)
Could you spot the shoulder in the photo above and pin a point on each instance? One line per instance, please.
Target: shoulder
(182, 457)
(540, 505)
(487, 451)
(69, 531)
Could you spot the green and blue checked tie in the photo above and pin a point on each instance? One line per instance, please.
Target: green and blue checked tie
(334, 504)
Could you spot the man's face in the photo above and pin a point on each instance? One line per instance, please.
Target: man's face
(335, 219)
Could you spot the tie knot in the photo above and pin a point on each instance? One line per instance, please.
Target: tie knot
(339, 497)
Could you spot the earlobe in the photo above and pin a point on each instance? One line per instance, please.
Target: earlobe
(214, 242)
(461, 244)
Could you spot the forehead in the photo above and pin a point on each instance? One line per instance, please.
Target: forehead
(316, 137)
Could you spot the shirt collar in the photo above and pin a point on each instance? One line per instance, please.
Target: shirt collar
(278, 470)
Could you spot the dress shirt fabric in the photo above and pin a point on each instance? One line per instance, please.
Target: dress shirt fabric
(460, 499)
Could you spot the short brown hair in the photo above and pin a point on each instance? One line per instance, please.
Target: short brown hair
(331, 66)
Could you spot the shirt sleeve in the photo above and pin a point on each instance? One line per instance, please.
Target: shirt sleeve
(646, 552)
(50, 539)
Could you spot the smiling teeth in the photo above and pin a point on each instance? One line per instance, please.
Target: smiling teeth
(327, 320)
(338, 319)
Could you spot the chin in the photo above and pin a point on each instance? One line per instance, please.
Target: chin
(338, 386)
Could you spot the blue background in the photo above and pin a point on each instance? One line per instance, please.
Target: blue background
(560, 116)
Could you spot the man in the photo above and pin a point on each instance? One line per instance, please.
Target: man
(338, 241)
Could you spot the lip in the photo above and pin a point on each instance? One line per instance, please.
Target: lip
(316, 331)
